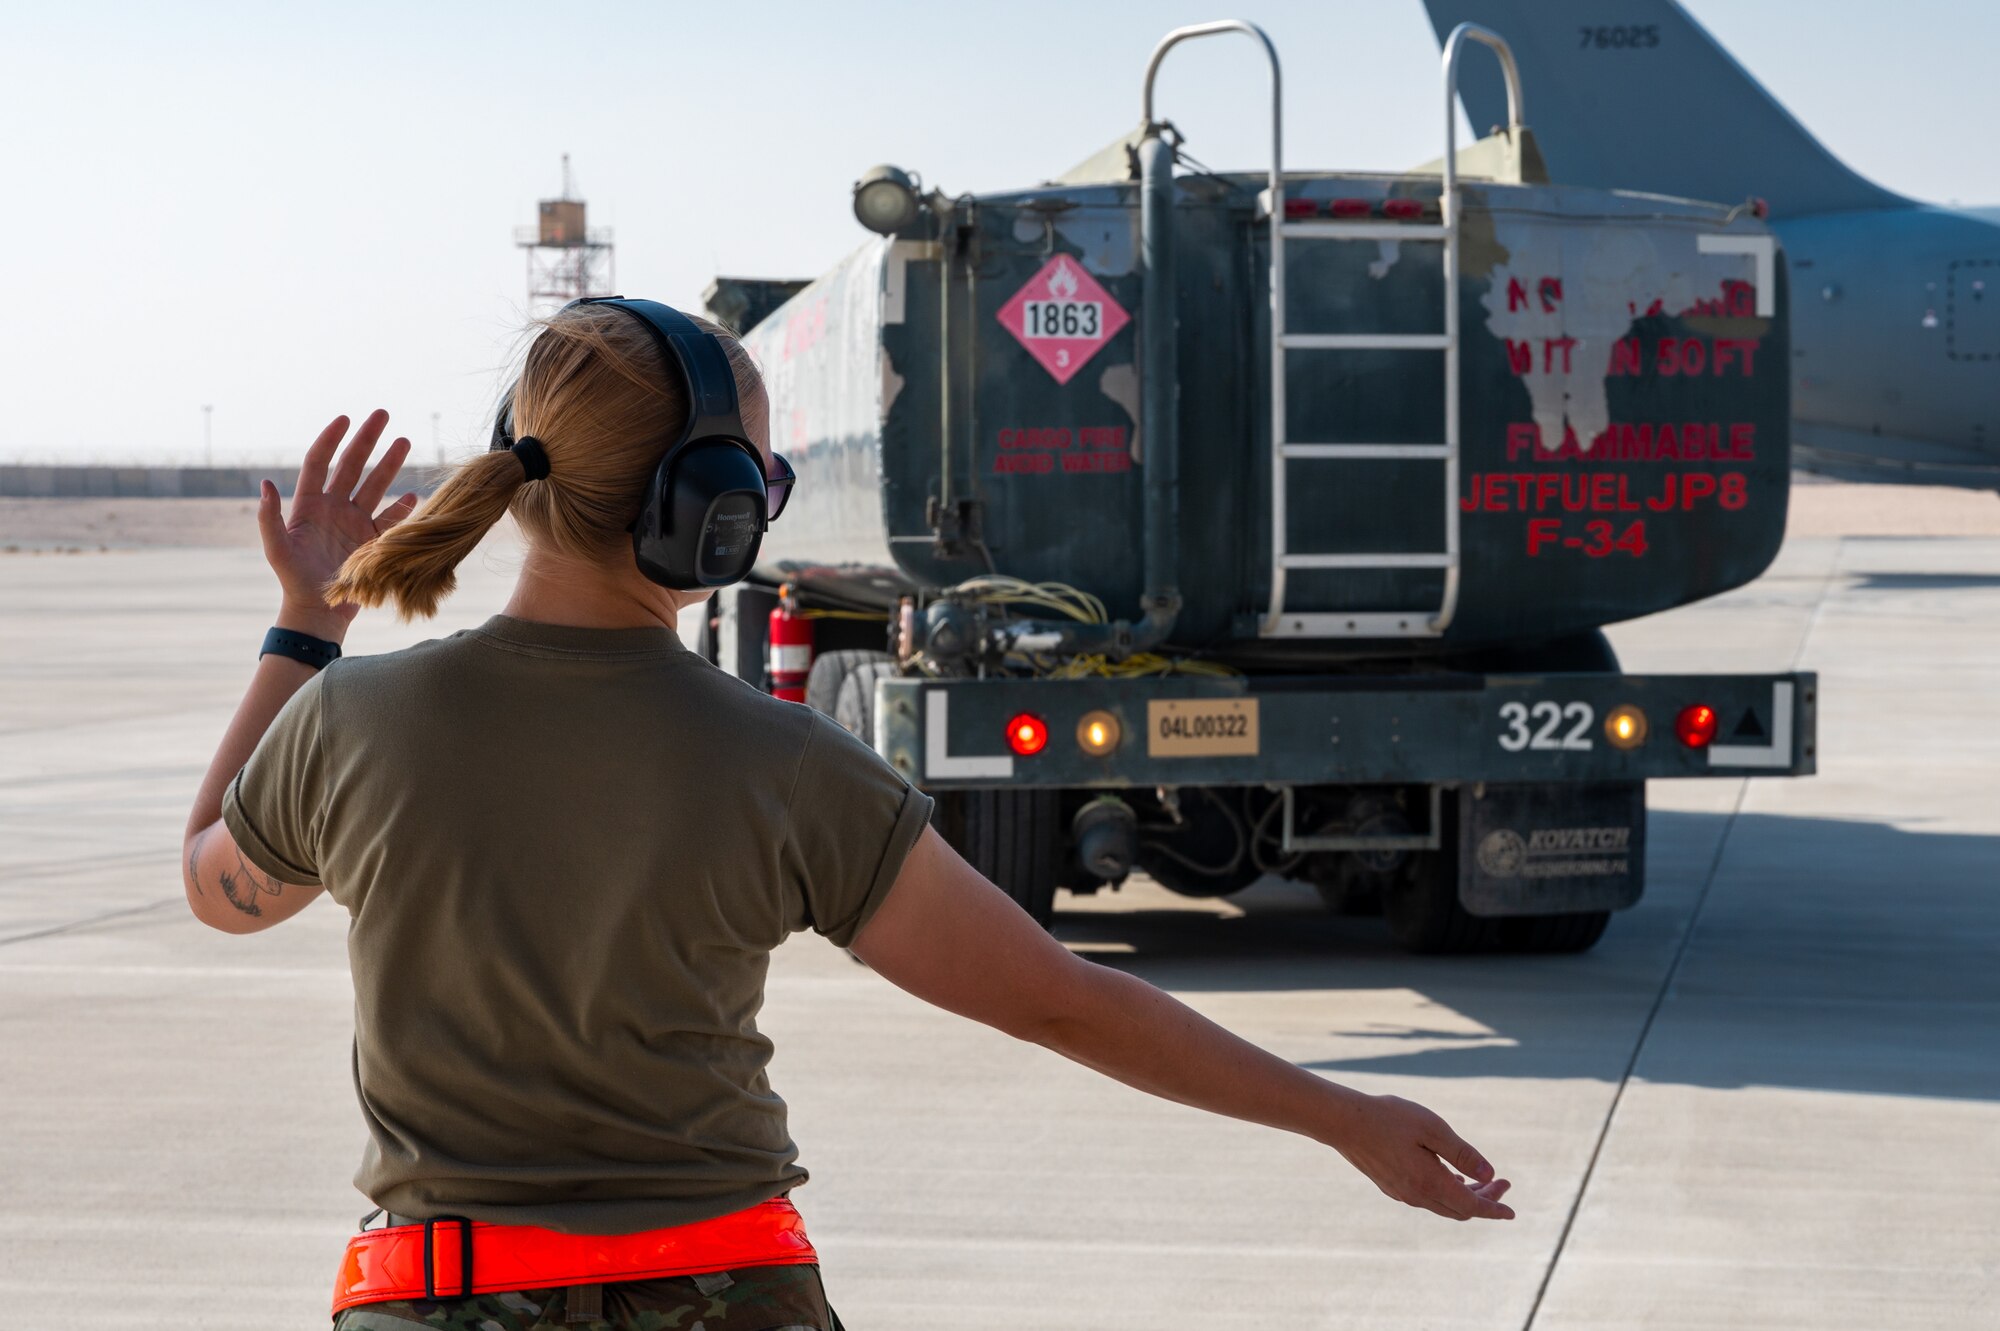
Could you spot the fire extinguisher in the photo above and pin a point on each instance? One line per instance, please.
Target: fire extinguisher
(791, 636)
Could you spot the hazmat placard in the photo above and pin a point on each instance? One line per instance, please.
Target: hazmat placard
(1063, 316)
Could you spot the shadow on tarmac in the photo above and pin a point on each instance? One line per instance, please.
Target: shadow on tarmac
(1924, 582)
(1833, 955)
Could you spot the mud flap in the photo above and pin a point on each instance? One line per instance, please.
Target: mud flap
(1551, 849)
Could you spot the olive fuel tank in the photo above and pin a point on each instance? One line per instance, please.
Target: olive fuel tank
(1571, 408)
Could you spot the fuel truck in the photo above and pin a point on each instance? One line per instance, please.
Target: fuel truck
(1222, 525)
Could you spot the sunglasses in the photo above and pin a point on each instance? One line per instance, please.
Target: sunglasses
(778, 489)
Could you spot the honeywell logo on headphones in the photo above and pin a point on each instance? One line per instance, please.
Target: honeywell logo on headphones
(729, 532)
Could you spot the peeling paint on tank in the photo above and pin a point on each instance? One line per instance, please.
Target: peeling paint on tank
(1568, 292)
(1120, 383)
(1108, 244)
(895, 274)
(892, 384)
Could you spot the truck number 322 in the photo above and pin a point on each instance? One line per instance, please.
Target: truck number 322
(1546, 725)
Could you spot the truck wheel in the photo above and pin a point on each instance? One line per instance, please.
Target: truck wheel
(842, 685)
(1577, 931)
(1010, 836)
(1422, 907)
(1424, 914)
(1354, 882)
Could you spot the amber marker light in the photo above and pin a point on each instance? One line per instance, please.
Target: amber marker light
(1625, 726)
(1098, 733)
(1027, 734)
(1696, 725)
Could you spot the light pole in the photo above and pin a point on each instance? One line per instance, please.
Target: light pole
(208, 434)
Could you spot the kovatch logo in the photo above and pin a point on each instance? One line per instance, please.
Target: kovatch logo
(1555, 852)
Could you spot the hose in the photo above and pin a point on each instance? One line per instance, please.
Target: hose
(1207, 871)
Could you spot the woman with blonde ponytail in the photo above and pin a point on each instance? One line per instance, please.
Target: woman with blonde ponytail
(568, 845)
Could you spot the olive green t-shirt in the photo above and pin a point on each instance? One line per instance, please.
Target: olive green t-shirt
(567, 854)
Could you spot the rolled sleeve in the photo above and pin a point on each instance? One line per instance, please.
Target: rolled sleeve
(852, 822)
(275, 806)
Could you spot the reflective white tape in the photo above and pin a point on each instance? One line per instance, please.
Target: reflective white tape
(938, 762)
(1778, 753)
(791, 658)
(1763, 252)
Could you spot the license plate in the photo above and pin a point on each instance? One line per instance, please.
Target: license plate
(1202, 728)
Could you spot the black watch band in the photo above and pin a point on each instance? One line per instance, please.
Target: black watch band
(315, 652)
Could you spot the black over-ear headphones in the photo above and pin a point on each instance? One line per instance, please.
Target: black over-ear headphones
(704, 512)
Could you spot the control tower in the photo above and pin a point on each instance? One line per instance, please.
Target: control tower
(567, 259)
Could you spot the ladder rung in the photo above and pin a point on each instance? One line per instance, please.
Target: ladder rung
(1374, 624)
(1365, 341)
(1369, 561)
(1361, 231)
(1367, 450)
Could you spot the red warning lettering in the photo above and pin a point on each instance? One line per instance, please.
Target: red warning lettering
(1691, 441)
(1689, 356)
(1598, 538)
(1033, 450)
(1600, 492)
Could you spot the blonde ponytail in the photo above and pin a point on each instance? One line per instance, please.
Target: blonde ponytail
(604, 405)
(415, 562)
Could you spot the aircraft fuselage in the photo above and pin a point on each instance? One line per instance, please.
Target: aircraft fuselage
(1896, 342)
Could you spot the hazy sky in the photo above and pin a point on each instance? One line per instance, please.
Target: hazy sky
(297, 210)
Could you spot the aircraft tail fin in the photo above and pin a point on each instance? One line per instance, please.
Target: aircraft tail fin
(1638, 96)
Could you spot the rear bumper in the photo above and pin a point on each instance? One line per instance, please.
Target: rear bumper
(1316, 730)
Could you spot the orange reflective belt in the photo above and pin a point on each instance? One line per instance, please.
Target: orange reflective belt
(450, 1257)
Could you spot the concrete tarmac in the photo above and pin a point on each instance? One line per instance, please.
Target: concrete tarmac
(1769, 1098)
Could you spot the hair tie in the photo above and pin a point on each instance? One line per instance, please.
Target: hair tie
(534, 458)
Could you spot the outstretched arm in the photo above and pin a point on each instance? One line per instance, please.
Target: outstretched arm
(332, 516)
(942, 917)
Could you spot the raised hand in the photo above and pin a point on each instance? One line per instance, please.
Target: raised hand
(332, 516)
(1405, 1149)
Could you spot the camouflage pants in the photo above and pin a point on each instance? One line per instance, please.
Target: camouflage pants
(756, 1298)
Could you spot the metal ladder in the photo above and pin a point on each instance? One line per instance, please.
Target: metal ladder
(1278, 622)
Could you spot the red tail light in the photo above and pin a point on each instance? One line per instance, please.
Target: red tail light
(1350, 208)
(1402, 209)
(1696, 725)
(1027, 734)
(1298, 208)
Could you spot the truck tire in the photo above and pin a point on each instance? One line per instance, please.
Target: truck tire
(842, 685)
(1422, 907)
(1424, 914)
(1013, 837)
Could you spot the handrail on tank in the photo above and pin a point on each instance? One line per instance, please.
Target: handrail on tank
(1159, 429)
(1211, 29)
(1276, 204)
(1449, 210)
